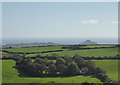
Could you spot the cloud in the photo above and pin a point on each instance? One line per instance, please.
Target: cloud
(105, 22)
(92, 21)
(115, 22)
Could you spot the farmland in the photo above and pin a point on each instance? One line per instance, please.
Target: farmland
(110, 66)
(86, 52)
(11, 75)
(91, 46)
(34, 49)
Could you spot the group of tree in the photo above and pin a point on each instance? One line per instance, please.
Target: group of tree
(100, 58)
(65, 66)
(40, 67)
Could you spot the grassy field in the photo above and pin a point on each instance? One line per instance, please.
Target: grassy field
(110, 66)
(10, 75)
(87, 52)
(35, 49)
(92, 46)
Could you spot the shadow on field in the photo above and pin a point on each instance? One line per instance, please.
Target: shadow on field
(23, 74)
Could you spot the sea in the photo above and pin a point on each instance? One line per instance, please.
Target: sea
(62, 41)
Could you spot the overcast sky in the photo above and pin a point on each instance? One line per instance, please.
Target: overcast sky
(60, 20)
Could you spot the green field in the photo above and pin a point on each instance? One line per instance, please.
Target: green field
(88, 52)
(35, 49)
(110, 66)
(92, 46)
(10, 75)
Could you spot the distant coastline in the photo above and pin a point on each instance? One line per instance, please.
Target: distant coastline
(18, 43)
(64, 41)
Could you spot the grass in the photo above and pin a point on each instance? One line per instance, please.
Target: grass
(10, 75)
(87, 52)
(92, 46)
(110, 66)
(2, 54)
(35, 49)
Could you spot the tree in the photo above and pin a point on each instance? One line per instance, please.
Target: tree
(79, 60)
(103, 77)
(89, 63)
(68, 59)
(61, 68)
(50, 62)
(40, 68)
(91, 70)
(99, 70)
(38, 56)
(40, 61)
(73, 69)
(60, 61)
(30, 68)
(17, 57)
(52, 69)
(28, 60)
(21, 64)
(91, 67)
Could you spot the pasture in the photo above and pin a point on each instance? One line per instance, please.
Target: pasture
(10, 75)
(110, 66)
(87, 52)
(92, 46)
(35, 49)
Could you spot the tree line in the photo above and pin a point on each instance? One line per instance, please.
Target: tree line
(30, 52)
(54, 56)
(80, 47)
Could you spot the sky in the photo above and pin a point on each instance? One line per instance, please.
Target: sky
(60, 19)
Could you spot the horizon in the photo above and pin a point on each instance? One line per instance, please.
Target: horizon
(59, 40)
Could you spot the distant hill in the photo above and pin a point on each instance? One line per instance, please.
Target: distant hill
(29, 45)
(89, 42)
